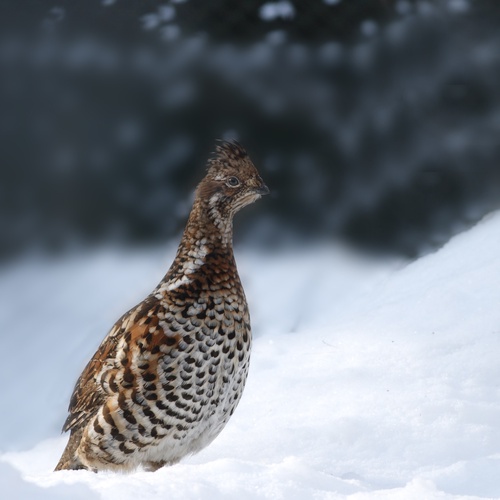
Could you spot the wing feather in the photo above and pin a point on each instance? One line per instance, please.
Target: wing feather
(89, 393)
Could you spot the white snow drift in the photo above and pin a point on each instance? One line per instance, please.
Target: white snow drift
(368, 380)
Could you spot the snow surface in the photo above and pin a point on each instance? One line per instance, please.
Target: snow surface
(369, 380)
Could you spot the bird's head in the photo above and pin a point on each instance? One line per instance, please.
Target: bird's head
(231, 182)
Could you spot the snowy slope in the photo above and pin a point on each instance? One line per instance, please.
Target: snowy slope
(368, 380)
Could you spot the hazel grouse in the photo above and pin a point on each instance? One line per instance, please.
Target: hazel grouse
(170, 373)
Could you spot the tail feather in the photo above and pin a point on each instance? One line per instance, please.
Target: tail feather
(69, 460)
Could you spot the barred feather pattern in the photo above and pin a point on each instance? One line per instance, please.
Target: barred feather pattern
(170, 373)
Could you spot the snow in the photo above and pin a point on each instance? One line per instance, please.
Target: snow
(369, 380)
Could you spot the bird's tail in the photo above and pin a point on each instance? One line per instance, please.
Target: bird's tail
(69, 459)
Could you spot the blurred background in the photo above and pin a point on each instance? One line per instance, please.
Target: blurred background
(374, 122)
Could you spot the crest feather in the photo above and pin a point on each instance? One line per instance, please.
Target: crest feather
(227, 152)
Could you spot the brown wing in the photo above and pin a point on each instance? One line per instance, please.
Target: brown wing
(88, 394)
(137, 330)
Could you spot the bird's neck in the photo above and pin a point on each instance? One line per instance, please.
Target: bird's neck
(206, 234)
(207, 226)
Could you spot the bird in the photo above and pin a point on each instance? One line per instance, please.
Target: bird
(171, 371)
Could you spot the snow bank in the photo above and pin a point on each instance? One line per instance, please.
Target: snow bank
(368, 380)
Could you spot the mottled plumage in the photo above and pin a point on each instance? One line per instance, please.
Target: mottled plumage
(171, 371)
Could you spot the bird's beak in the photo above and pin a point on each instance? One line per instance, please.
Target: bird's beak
(262, 190)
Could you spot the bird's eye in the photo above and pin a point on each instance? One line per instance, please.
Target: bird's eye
(233, 181)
